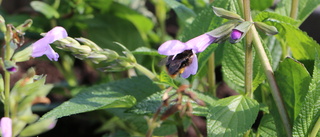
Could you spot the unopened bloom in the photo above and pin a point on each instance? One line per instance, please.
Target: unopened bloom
(6, 127)
(42, 46)
(182, 55)
(236, 34)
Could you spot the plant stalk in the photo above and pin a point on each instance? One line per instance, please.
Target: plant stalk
(212, 75)
(248, 52)
(271, 80)
(315, 129)
(145, 71)
(294, 9)
(8, 37)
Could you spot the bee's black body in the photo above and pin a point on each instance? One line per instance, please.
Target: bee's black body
(180, 61)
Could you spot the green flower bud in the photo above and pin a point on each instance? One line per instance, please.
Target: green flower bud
(220, 12)
(269, 30)
(89, 43)
(38, 127)
(221, 33)
(10, 66)
(96, 57)
(24, 26)
(2, 24)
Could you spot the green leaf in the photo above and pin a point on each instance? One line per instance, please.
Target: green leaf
(166, 79)
(45, 9)
(184, 13)
(153, 102)
(118, 94)
(302, 46)
(204, 56)
(38, 127)
(260, 5)
(269, 16)
(305, 8)
(233, 65)
(309, 114)
(293, 80)
(231, 116)
(267, 127)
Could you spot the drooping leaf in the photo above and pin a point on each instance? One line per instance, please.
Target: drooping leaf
(231, 116)
(310, 107)
(184, 13)
(118, 94)
(45, 9)
(267, 127)
(293, 80)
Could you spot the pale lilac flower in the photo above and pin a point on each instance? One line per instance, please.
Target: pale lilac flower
(235, 34)
(176, 47)
(6, 127)
(42, 46)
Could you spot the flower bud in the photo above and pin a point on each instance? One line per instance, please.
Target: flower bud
(220, 12)
(222, 32)
(2, 24)
(10, 66)
(269, 30)
(240, 31)
(24, 26)
(89, 43)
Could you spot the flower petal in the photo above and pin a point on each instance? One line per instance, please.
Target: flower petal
(200, 43)
(51, 54)
(172, 47)
(55, 34)
(6, 127)
(40, 47)
(192, 68)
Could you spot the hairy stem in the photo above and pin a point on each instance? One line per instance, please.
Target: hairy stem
(212, 75)
(7, 74)
(248, 52)
(315, 129)
(271, 80)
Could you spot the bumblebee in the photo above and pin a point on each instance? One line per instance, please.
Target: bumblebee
(176, 64)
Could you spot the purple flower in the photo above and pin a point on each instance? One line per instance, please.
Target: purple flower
(176, 49)
(12, 69)
(236, 34)
(42, 46)
(6, 127)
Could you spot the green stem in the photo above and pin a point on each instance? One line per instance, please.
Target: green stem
(315, 129)
(145, 71)
(179, 125)
(7, 74)
(272, 82)
(248, 52)
(294, 9)
(212, 75)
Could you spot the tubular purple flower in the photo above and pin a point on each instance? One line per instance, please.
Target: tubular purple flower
(6, 127)
(42, 46)
(235, 34)
(176, 47)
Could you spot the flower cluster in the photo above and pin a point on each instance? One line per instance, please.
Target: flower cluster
(182, 58)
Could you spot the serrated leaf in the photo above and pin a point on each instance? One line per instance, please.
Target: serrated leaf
(45, 9)
(293, 80)
(310, 108)
(153, 102)
(302, 46)
(233, 65)
(118, 94)
(267, 127)
(184, 13)
(305, 8)
(270, 16)
(231, 116)
(166, 79)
